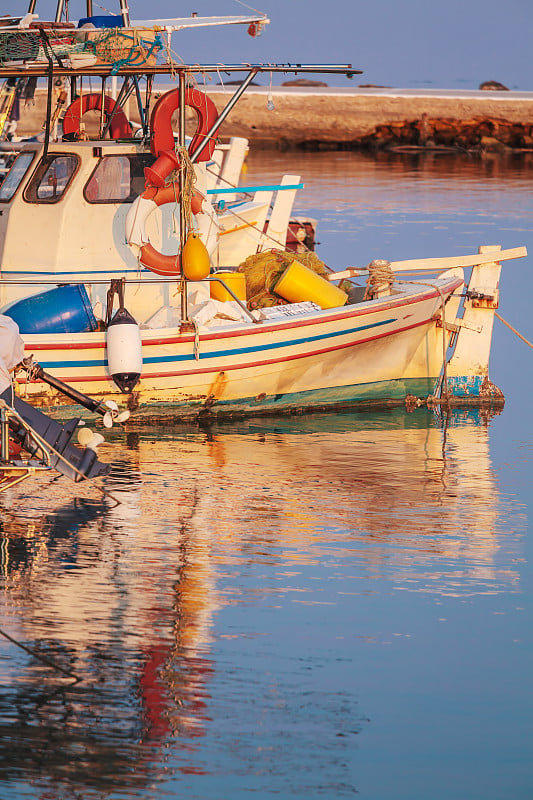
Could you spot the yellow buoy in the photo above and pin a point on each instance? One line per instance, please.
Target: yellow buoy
(195, 258)
(299, 283)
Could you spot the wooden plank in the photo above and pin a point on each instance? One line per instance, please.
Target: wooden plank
(436, 263)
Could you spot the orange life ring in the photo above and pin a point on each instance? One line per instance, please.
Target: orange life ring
(120, 128)
(162, 135)
(142, 207)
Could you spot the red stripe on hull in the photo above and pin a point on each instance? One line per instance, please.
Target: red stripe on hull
(249, 365)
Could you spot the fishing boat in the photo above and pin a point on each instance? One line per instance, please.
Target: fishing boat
(117, 266)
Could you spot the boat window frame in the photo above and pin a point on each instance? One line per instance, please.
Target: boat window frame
(44, 164)
(148, 157)
(22, 177)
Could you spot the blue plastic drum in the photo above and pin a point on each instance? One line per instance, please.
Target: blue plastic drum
(66, 309)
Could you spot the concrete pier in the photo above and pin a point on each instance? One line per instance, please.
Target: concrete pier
(349, 116)
(353, 117)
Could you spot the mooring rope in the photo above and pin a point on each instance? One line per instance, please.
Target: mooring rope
(45, 660)
(513, 329)
(380, 275)
(444, 378)
(189, 179)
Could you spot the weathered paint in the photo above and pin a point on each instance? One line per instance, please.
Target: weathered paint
(380, 350)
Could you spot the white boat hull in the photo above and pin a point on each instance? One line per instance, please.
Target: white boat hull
(372, 353)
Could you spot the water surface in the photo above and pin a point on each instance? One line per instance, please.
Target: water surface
(308, 607)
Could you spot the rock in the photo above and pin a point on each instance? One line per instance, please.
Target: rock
(493, 85)
(492, 145)
(304, 82)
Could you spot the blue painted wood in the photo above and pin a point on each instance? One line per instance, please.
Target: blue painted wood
(239, 189)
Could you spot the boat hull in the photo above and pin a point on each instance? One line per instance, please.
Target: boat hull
(370, 354)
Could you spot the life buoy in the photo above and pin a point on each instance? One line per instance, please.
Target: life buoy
(140, 210)
(162, 134)
(14, 448)
(120, 128)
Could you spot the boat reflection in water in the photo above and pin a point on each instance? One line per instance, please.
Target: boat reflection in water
(126, 596)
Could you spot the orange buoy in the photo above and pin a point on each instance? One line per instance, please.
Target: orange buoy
(136, 233)
(195, 260)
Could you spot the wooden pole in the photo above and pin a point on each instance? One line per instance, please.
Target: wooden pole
(181, 184)
(435, 263)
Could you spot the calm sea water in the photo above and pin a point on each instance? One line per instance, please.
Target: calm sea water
(308, 607)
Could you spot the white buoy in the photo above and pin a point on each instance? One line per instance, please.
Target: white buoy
(124, 350)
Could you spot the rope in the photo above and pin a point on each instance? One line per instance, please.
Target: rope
(189, 179)
(513, 329)
(196, 340)
(380, 276)
(442, 384)
(42, 658)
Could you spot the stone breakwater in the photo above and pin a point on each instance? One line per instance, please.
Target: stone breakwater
(374, 118)
(382, 118)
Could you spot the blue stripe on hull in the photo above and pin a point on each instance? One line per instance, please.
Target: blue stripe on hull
(236, 351)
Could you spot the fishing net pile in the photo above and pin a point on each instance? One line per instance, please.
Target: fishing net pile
(124, 48)
(263, 270)
(117, 47)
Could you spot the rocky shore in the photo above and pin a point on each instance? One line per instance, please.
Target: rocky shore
(366, 118)
(376, 119)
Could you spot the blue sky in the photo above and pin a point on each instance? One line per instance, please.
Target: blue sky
(412, 43)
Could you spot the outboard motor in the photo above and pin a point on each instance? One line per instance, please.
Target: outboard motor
(68, 459)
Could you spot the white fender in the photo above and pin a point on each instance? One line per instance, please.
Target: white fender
(124, 350)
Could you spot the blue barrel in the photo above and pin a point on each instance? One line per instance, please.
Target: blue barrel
(66, 309)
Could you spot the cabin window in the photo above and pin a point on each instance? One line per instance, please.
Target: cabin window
(51, 179)
(117, 179)
(14, 177)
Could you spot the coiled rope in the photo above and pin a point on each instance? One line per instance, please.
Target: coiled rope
(380, 277)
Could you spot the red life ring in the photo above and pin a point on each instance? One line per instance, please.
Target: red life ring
(120, 128)
(14, 448)
(162, 135)
(142, 207)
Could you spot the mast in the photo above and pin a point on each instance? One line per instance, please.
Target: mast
(181, 185)
(59, 10)
(125, 13)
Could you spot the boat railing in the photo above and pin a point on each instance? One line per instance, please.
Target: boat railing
(133, 281)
